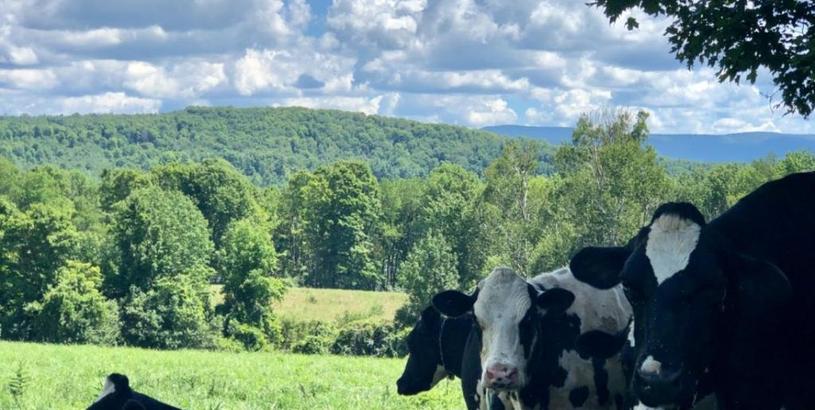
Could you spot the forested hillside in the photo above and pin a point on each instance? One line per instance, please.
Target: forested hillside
(265, 144)
(130, 256)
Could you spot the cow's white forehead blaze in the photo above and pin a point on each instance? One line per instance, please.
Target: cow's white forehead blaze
(503, 296)
(670, 243)
(503, 300)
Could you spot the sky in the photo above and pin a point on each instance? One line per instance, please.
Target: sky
(465, 62)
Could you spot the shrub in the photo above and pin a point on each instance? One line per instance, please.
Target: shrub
(294, 333)
(312, 344)
(250, 337)
(368, 338)
(170, 315)
(73, 310)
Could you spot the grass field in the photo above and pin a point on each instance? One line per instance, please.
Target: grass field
(70, 377)
(330, 304)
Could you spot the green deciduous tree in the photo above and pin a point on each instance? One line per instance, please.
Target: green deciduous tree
(219, 191)
(429, 268)
(296, 199)
(247, 262)
(400, 228)
(344, 211)
(33, 245)
(612, 181)
(159, 234)
(508, 181)
(449, 207)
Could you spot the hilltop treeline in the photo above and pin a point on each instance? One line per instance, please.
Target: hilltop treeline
(265, 144)
(129, 257)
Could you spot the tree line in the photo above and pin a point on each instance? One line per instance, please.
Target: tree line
(131, 257)
(265, 144)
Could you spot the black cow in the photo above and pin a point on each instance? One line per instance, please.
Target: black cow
(117, 395)
(726, 306)
(530, 331)
(444, 347)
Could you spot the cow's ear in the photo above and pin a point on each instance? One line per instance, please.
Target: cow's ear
(599, 267)
(762, 290)
(598, 344)
(430, 316)
(555, 300)
(453, 303)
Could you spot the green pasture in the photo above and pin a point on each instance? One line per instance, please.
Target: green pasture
(70, 377)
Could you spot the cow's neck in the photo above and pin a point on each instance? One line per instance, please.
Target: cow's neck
(560, 335)
(453, 334)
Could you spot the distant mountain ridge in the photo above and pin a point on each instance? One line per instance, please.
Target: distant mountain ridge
(738, 147)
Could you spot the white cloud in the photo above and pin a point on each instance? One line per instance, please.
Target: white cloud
(18, 55)
(388, 24)
(366, 105)
(472, 62)
(117, 102)
(489, 112)
(28, 79)
(186, 80)
(15, 103)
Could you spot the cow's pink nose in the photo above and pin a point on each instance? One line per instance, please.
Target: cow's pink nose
(501, 375)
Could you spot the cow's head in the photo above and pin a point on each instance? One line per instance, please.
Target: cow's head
(115, 393)
(424, 366)
(680, 278)
(506, 313)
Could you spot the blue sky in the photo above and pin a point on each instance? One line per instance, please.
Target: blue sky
(466, 62)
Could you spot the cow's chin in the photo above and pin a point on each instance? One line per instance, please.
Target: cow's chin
(511, 387)
(680, 396)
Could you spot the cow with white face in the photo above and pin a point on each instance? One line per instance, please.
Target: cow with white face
(530, 330)
(724, 307)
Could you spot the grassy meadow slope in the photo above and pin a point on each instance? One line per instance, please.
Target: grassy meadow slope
(332, 304)
(70, 377)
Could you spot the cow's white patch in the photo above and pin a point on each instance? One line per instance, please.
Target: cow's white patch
(440, 374)
(641, 406)
(651, 366)
(670, 243)
(631, 340)
(109, 388)
(502, 302)
(605, 310)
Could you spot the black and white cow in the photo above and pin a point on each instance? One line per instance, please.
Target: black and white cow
(529, 332)
(117, 395)
(442, 347)
(724, 307)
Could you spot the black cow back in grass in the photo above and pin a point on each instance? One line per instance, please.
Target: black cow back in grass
(117, 395)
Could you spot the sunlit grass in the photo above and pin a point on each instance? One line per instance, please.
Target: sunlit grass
(330, 304)
(70, 377)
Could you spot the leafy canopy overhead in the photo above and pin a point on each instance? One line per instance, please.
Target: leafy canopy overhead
(738, 37)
